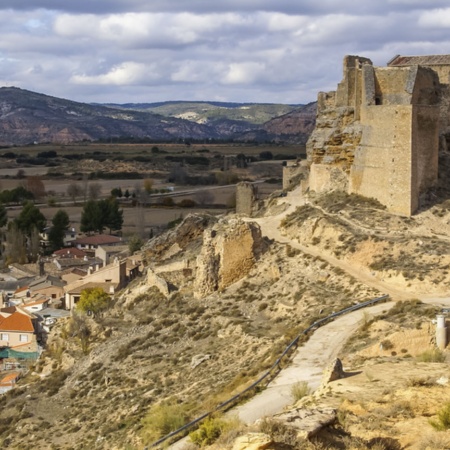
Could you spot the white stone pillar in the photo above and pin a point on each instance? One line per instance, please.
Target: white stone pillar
(441, 332)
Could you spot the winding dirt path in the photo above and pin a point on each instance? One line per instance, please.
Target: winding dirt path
(327, 341)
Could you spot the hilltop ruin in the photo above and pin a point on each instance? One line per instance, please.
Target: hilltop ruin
(379, 134)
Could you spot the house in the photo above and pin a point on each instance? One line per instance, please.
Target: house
(86, 262)
(9, 381)
(107, 253)
(90, 243)
(110, 278)
(16, 329)
(49, 286)
(69, 236)
(69, 252)
(36, 304)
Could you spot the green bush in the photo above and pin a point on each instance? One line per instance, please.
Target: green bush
(443, 419)
(433, 355)
(162, 420)
(212, 429)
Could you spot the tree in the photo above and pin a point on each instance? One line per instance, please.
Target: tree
(60, 224)
(95, 190)
(15, 249)
(73, 191)
(30, 217)
(117, 192)
(95, 300)
(3, 216)
(78, 327)
(265, 156)
(134, 243)
(36, 186)
(114, 215)
(148, 185)
(91, 218)
(3, 222)
(101, 214)
(33, 245)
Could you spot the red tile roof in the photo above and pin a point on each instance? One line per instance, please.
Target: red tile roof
(10, 379)
(71, 252)
(16, 322)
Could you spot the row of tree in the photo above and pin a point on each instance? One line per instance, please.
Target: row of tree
(22, 235)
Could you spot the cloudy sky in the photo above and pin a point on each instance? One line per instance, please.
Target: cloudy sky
(277, 51)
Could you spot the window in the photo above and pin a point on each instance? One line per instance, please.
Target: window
(23, 338)
(4, 336)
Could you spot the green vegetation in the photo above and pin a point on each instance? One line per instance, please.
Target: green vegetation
(300, 390)
(442, 422)
(161, 420)
(60, 224)
(100, 214)
(433, 355)
(95, 300)
(212, 429)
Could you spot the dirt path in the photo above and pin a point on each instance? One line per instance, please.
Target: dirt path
(307, 365)
(326, 342)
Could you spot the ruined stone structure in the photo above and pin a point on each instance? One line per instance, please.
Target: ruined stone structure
(230, 249)
(378, 134)
(246, 196)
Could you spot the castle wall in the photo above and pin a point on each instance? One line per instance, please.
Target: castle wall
(382, 167)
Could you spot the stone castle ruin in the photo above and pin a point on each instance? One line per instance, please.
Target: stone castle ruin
(379, 133)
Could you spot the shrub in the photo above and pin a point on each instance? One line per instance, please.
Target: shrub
(433, 355)
(187, 203)
(300, 390)
(214, 428)
(162, 420)
(443, 419)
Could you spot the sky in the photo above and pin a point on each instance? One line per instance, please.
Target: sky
(265, 51)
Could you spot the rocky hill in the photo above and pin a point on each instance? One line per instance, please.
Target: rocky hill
(220, 300)
(27, 117)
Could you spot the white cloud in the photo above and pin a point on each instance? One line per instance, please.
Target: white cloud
(236, 50)
(125, 74)
(439, 18)
(243, 73)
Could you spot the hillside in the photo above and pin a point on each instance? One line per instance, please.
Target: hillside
(27, 117)
(222, 300)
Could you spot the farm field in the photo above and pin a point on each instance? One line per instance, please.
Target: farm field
(126, 159)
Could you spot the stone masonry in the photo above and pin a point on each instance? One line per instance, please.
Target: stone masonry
(246, 196)
(379, 133)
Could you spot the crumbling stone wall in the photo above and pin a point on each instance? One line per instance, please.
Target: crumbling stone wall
(230, 249)
(378, 134)
(246, 197)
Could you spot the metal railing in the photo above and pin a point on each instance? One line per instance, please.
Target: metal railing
(275, 367)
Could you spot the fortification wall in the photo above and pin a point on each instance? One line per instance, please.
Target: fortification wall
(246, 196)
(382, 165)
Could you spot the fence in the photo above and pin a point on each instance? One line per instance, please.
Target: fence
(274, 368)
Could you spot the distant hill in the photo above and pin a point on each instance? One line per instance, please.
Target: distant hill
(27, 117)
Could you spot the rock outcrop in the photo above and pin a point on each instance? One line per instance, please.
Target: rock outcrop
(188, 233)
(230, 249)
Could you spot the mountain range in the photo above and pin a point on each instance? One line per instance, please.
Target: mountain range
(30, 117)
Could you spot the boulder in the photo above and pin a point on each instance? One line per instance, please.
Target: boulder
(333, 372)
(253, 441)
